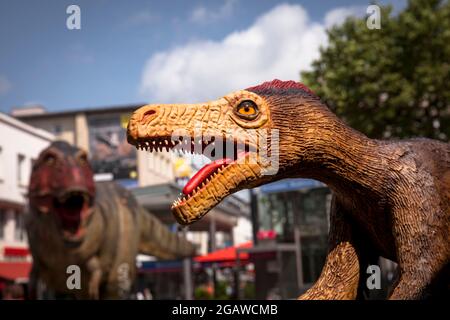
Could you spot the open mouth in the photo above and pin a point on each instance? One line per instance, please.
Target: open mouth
(72, 208)
(232, 163)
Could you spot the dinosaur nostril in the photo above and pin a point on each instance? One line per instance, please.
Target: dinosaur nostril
(148, 114)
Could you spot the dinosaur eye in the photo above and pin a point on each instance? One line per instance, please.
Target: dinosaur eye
(247, 109)
(49, 159)
(82, 158)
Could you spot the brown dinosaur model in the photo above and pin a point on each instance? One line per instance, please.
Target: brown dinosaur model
(390, 198)
(98, 227)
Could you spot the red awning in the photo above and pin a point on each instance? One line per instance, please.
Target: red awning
(16, 251)
(224, 255)
(14, 270)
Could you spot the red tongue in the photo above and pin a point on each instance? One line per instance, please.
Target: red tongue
(203, 173)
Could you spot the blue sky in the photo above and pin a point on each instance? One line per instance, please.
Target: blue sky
(143, 51)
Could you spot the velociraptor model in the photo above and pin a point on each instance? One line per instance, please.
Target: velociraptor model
(390, 198)
(98, 227)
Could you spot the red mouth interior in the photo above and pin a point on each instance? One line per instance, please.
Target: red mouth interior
(207, 171)
(204, 173)
(71, 211)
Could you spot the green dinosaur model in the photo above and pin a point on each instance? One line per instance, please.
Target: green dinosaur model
(98, 227)
(390, 198)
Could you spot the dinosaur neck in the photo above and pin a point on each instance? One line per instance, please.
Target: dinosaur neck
(346, 160)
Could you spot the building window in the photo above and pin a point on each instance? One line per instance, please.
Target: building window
(19, 232)
(57, 129)
(2, 223)
(21, 176)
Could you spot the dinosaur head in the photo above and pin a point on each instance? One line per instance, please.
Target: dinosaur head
(238, 132)
(62, 188)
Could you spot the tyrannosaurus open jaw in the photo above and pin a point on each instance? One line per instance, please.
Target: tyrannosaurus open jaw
(231, 131)
(62, 189)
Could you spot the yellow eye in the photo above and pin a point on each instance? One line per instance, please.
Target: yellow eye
(247, 109)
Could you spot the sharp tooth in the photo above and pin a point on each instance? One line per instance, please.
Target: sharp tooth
(154, 142)
(165, 142)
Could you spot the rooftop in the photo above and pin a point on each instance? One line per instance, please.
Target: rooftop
(8, 120)
(39, 112)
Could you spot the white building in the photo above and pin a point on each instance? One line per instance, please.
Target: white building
(20, 144)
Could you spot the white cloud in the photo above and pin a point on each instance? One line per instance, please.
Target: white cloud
(279, 44)
(5, 85)
(338, 15)
(203, 15)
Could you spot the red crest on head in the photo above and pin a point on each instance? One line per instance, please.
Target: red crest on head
(278, 84)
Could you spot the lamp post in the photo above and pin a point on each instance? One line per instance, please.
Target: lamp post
(187, 273)
(254, 215)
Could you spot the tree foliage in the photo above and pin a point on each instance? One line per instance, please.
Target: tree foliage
(393, 81)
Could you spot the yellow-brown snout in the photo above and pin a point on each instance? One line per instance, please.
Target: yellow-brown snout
(142, 116)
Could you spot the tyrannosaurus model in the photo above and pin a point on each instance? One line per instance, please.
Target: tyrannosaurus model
(98, 227)
(390, 198)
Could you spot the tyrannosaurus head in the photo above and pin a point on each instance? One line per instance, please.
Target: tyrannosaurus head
(62, 188)
(247, 134)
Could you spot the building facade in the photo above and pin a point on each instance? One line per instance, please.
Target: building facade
(102, 132)
(20, 144)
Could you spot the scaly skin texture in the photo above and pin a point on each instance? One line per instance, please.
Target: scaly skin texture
(390, 198)
(98, 227)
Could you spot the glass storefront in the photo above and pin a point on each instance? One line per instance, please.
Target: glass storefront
(298, 215)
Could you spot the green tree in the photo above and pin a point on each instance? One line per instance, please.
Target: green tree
(393, 81)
